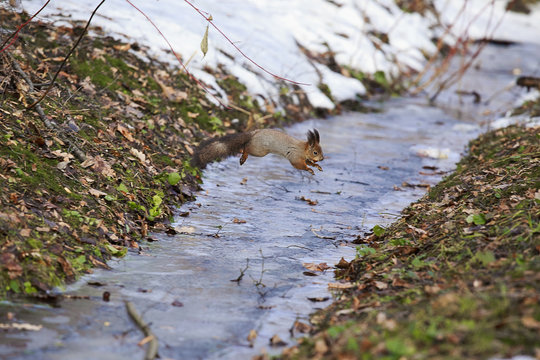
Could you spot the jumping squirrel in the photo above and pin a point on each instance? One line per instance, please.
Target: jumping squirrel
(300, 154)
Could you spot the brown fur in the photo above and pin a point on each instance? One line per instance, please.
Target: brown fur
(260, 143)
(207, 151)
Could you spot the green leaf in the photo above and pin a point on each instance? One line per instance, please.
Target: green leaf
(14, 286)
(477, 219)
(399, 347)
(380, 77)
(122, 188)
(365, 250)
(173, 178)
(114, 251)
(418, 263)
(157, 200)
(28, 288)
(378, 230)
(485, 257)
(79, 261)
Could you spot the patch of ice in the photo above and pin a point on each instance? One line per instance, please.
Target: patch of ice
(430, 151)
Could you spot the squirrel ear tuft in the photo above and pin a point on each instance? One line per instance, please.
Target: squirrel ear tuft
(317, 137)
(311, 137)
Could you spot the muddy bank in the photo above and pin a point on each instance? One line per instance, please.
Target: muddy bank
(457, 276)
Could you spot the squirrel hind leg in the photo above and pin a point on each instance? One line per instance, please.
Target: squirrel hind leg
(244, 156)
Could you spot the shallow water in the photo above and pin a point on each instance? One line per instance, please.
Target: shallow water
(252, 215)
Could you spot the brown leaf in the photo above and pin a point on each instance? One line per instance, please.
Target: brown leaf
(62, 165)
(177, 303)
(239, 221)
(319, 298)
(124, 131)
(103, 167)
(316, 267)
(341, 286)
(302, 327)
(530, 322)
(25, 232)
(145, 340)
(251, 336)
(309, 201)
(9, 262)
(139, 154)
(122, 47)
(96, 193)
(88, 162)
(276, 341)
(343, 264)
(321, 347)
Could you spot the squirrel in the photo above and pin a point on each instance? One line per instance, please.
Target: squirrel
(301, 154)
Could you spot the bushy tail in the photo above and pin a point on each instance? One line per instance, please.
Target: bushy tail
(219, 148)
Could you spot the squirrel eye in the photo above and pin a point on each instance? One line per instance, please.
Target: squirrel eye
(314, 153)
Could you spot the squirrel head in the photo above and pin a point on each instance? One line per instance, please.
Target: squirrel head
(313, 148)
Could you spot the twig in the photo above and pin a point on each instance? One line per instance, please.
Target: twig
(242, 273)
(67, 56)
(178, 57)
(15, 35)
(209, 19)
(152, 349)
(322, 236)
(74, 149)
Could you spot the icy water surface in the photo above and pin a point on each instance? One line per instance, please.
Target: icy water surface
(255, 216)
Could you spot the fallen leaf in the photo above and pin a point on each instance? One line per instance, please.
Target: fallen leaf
(87, 163)
(530, 322)
(343, 264)
(321, 347)
(309, 201)
(276, 341)
(101, 166)
(251, 337)
(341, 286)
(145, 340)
(177, 303)
(318, 299)
(25, 232)
(96, 193)
(139, 154)
(125, 132)
(302, 327)
(239, 221)
(316, 267)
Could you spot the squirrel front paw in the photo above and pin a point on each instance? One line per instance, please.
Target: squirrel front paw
(311, 171)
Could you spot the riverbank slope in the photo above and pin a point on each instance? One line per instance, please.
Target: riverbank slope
(457, 276)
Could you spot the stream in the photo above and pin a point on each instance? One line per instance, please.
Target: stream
(262, 221)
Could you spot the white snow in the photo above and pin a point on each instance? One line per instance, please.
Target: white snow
(271, 32)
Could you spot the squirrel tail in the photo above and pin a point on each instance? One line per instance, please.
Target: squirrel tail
(219, 148)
